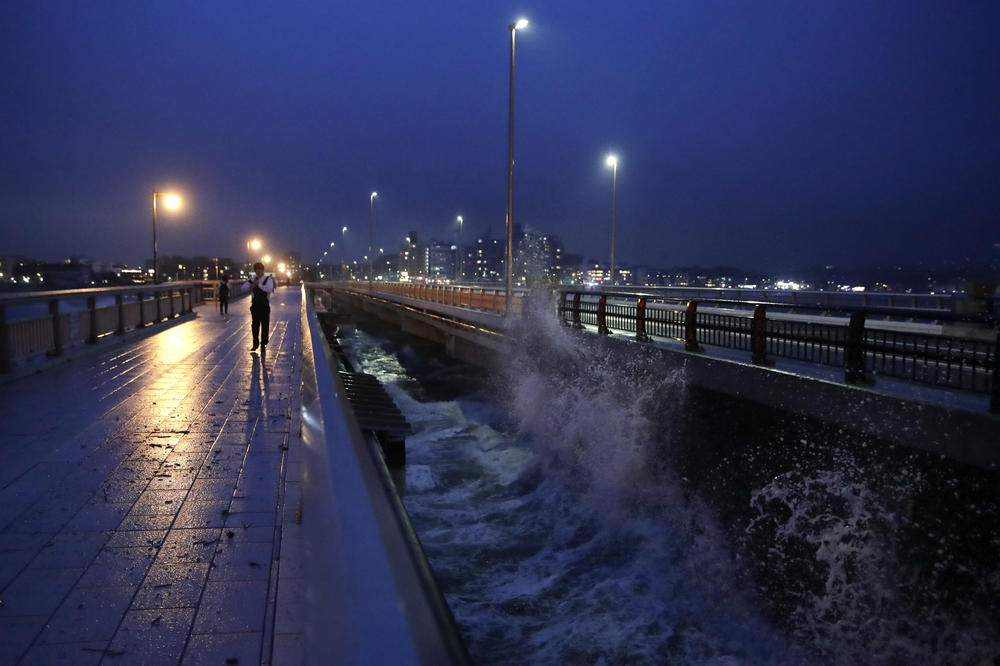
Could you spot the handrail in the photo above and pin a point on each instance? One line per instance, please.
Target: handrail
(51, 333)
(966, 362)
(874, 310)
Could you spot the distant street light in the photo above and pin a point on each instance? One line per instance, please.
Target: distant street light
(266, 258)
(509, 258)
(612, 162)
(371, 231)
(460, 223)
(172, 202)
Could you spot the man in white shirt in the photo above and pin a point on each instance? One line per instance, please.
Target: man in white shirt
(261, 287)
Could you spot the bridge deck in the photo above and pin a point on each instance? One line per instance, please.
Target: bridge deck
(142, 500)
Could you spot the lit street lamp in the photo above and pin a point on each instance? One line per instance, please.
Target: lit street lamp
(513, 27)
(612, 162)
(371, 231)
(255, 245)
(172, 202)
(460, 223)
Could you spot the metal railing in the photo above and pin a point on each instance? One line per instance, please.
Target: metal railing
(488, 298)
(967, 362)
(76, 316)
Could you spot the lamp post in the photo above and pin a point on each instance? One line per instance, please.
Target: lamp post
(171, 201)
(371, 232)
(460, 223)
(612, 162)
(343, 244)
(255, 244)
(509, 257)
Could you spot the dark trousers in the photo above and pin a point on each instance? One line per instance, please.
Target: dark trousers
(223, 305)
(260, 319)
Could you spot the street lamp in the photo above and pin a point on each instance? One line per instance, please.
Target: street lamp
(509, 258)
(255, 245)
(612, 162)
(371, 231)
(266, 258)
(172, 202)
(460, 223)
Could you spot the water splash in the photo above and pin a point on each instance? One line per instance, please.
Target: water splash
(828, 557)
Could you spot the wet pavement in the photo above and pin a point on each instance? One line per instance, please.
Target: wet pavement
(148, 495)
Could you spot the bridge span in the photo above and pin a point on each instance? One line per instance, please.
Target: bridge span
(932, 384)
(167, 496)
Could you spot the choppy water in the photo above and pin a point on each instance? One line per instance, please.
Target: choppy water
(583, 510)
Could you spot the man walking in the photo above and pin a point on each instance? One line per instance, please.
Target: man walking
(261, 287)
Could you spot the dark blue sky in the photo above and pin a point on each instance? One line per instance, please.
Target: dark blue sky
(768, 135)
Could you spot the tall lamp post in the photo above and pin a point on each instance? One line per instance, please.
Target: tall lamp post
(343, 244)
(612, 162)
(460, 223)
(171, 201)
(509, 257)
(254, 244)
(371, 233)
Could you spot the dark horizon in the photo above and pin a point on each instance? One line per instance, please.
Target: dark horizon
(790, 134)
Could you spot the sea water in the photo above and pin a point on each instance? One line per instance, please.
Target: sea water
(582, 508)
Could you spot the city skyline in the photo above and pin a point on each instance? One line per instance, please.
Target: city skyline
(783, 135)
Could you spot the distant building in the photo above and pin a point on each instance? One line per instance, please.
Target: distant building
(440, 261)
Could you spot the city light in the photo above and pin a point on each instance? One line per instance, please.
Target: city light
(266, 259)
(521, 24)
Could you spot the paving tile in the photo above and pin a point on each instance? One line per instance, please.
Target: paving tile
(212, 489)
(172, 480)
(246, 520)
(17, 633)
(137, 539)
(189, 546)
(65, 654)
(152, 637)
(232, 607)
(197, 514)
(118, 567)
(145, 522)
(155, 501)
(223, 649)
(88, 614)
(172, 586)
(38, 591)
(70, 549)
(241, 560)
(12, 562)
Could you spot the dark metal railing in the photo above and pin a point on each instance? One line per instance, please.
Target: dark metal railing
(965, 362)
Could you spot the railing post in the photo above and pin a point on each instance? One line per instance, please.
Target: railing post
(640, 321)
(995, 388)
(120, 302)
(758, 336)
(854, 351)
(56, 328)
(602, 316)
(690, 327)
(92, 310)
(142, 310)
(170, 297)
(576, 311)
(159, 306)
(5, 340)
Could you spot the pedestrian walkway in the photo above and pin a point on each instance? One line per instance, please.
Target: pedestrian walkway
(148, 498)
